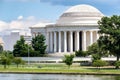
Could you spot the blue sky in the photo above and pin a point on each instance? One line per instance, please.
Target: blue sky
(25, 13)
(11, 9)
(51, 9)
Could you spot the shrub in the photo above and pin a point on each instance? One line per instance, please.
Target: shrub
(68, 60)
(117, 63)
(99, 63)
(80, 53)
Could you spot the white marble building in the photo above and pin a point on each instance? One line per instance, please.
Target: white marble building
(75, 29)
(9, 39)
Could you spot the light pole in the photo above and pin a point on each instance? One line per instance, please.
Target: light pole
(28, 42)
(28, 56)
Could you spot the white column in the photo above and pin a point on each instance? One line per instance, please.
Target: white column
(59, 41)
(51, 42)
(47, 41)
(32, 34)
(91, 37)
(78, 43)
(97, 35)
(55, 42)
(65, 41)
(71, 41)
(35, 35)
(84, 40)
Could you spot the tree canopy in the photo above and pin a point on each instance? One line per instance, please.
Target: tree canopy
(17, 61)
(6, 58)
(38, 44)
(110, 35)
(20, 47)
(35, 49)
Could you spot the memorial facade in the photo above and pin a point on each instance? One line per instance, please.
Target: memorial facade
(76, 29)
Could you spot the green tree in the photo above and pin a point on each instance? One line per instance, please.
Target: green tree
(93, 49)
(38, 44)
(110, 27)
(20, 47)
(117, 63)
(17, 61)
(6, 58)
(96, 57)
(97, 51)
(5, 61)
(99, 63)
(68, 60)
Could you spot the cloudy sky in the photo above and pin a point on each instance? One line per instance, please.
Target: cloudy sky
(20, 14)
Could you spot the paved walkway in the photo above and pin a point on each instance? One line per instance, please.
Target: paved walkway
(58, 59)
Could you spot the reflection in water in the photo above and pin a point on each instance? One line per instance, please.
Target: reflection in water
(56, 77)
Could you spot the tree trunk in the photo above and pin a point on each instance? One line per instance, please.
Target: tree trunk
(4, 66)
(117, 67)
(68, 66)
(17, 65)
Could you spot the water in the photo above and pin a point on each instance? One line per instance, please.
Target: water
(56, 77)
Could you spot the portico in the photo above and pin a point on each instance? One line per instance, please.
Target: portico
(70, 41)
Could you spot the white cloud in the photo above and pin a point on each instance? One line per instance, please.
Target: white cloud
(20, 17)
(16, 25)
(31, 18)
(3, 25)
(20, 23)
(23, 23)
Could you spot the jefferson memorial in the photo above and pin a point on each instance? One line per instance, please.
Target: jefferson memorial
(76, 29)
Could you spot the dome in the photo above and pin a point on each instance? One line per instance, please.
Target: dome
(80, 15)
(82, 8)
(1, 41)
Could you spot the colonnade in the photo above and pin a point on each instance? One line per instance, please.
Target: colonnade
(70, 41)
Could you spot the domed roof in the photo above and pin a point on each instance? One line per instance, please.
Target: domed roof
(80, 15)
(82, 8)
(1, 41)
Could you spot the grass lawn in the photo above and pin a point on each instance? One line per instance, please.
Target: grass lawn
(58, 69)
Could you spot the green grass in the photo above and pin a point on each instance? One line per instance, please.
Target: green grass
(59, 68)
